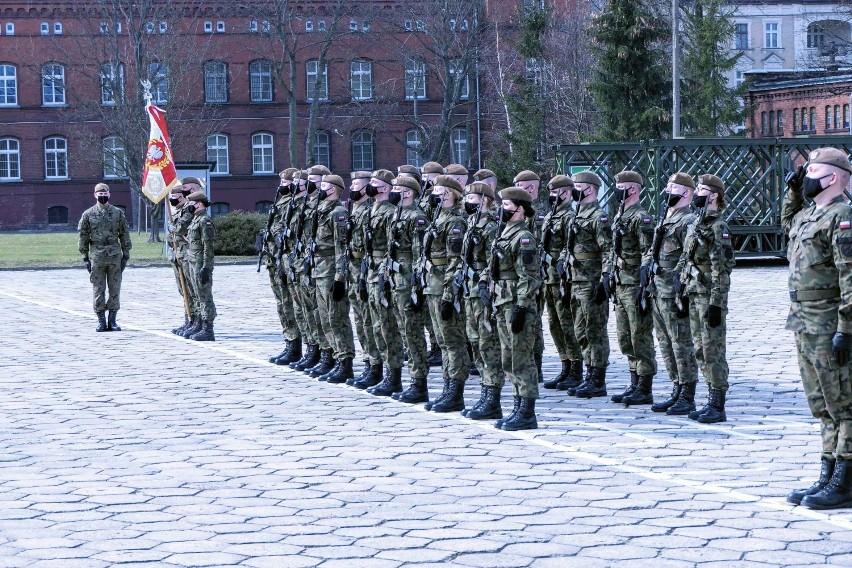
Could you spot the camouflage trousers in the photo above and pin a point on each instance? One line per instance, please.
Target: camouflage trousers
(299, 313)
(283, 304)
(427, 325)
(106, 274)
(590, 320)
(412, 329)
(675, 341)
(518, 359)
(385, 328)
(709, 342)
(203, 293)
(335, 320)
(828, 387)
(361, 315)
(452, 341)
(486, 344)
(635, 332)
(561, 324)
(313, 324)
(184, 268)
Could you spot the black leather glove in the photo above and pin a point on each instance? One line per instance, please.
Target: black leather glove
(338, 290)
(677, 287)
(684, 301)
(643, 276)
(565, 296)
(363, 294)
(124, 260)
(599, 294)
(205, 276)
(637, 300)
(841, 347)
(446, 310)
(607, 282)
(795, 179)
(519, 317)
(484, 294)
(88, 264)
(714, 316)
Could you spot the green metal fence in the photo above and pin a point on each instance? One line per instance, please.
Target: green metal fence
(753, 171)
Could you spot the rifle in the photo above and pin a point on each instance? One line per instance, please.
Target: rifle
(391, 264)
(547, 236)
(344, 269)
(461, 281)
(363, 293)
(308, 264)
(496, 255)
(688, 270)
(423, 267)
(293, 257)
(263, 238)
(617, 247)
(654, 266)
(284, 236)
(565, 270)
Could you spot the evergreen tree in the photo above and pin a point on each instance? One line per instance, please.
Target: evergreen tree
(631, 83)
(710, 106)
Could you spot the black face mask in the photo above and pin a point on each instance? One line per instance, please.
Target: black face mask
(619, 194)
(552, 200)
(284, 189)
(507, 215)
(395, 197)
(192, 208)
(312, 187)
(811, 187)
(578, 194)
(435, 200)
(471, 208)
(174, 201)
(355, 194)
(699, 201)
(102, 199)
(323, 193)
(673, 199)
(372, 190)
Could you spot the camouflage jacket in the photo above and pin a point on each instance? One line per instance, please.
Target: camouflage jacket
(360, 214)
(635, 231)
(820, 255)
(201, 236)
(178, 230)
(330, 254)
(278, 221)
(673, 234)
(407, 232)
(104, 234)
(708, 271)
(377, 233)
(518, 273)
(554, 238)
(444, 255)
(480, 237)
(589, 244)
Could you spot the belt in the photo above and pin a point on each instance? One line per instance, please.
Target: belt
(324, 253)
(667, 264)
(480, 265)
(440, 261)
(813, 295)
(588, 256)
(356, 254)
(511, 277)
(622, 262)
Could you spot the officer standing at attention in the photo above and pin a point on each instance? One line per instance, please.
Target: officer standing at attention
(200, 256)
(820, 283)
(105, 245)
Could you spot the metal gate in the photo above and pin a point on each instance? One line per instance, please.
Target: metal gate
(753, 171)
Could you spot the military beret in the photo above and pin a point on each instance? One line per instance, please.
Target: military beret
(383, 175)
(304, 174)
(560, 181)
(587, 177)
(432, 168)
(361, 175)
(449, 183)
(193, 179)
(629, 176)
(832, 157)
(334, 180)
(178, 189)
(516, 194)
(455, 170)
(288, 173)
(319, 170)
(408, 183)
(199, 196)
(480, 188)
(713, 182)
(682, 178)
(526, 175)
(410, 170)
(483, 175)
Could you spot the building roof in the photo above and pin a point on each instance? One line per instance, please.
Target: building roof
(775, 80)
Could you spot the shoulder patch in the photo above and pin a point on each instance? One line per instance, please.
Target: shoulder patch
(604, 218)
(421, 222)
(341, 217)
(525, 241)
(846, 225)
(647, 220)
(726, 235)
(456, 231)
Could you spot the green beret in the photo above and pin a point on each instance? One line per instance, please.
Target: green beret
(516, 194)
(409, 170)
(449, 183)
(628, 176)
(832, 157)
(483, 174)
(192, 179)
(304, 174)
(383, 175)
(408, 183)
(334, 180)
(713, 182)
(480, 188)
(288, 173)
(199, 196)
(319, 171)
(432, 168)
(682, 178)
(526, 175)
(558, 182)
(587, 177)
(455, 170)
(360, 175)
(179, 189)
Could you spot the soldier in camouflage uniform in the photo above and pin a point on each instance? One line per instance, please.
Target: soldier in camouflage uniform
(179, 219)
(105, 245)
(672, 328)
(703, 274)
(430, 172)
(559, 317)
(276, 267)
(190, 185)
(633, 231)
(200, 256)
(820, 282)
(515, 277)
(588, 245)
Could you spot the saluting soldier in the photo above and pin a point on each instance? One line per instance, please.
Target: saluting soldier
(105, 245)
(820, 282)
(190, 185)
(178, 227)
(200, 256)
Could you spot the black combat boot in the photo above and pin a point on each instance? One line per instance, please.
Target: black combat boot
(343, 373)
(325, 376)
(194, 327)
(373, 378)
(206, 332)
(524, 418)
(111, 321)
(488, 406)
(482, 393)
(416, 392)
(102, 323)
(825, 473)
(390, 384)
(454, 401)
(562, 376)
(440, 397)
(572, 391)
(308, 360)
(515, 408)
(434, 358)
(634, 383)
(715, 411)
(669, 402)
(474, 370)
(837, 494)
(325, 364)
(642, 394)
(292, 354)
(364, 373)
(575, 377)
(186, 321)
(685, 402)
(595, 386)
(275, 358)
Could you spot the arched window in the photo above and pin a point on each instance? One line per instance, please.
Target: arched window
(260, 80)
(322, 149)
(826, 33)
(362, 150)
(57, 215)
(413, 145)
(215, 82)
(115, 158)
(55, 158)
(262, 153)
(8, 85)
(217, 151)
(10, 159)
(52, 84)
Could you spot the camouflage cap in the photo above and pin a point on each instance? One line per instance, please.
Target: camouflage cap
(360, 175)
(629, 176)
(288, 173)
(516, 194)
(682, 178)
(410, 170)
(587, 177)
(526, 175)
(383, 175)
(408, 183)
(199, 196)
(432, 168)
(449, 183)
(483, 174)
(560, 181)
(713, 182)
(334, 180)
(479, 188)
(319, 170)
(832, 157)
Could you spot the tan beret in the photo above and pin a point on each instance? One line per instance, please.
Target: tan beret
(526, 175)
(432, 168)
(408, 169)
(334, 180)
(193, 179)
(455, 170)
(587, 177)
(319, 170)
(483, 174)
(832, 157)
(199, 196)
(682, 178)
(383, 175)
(715, 183)
(360, 175)
(480, 188)
(516, 194)
(629, 176)
(408, 183)
(560, 181)
(288, 173)
(449, 183)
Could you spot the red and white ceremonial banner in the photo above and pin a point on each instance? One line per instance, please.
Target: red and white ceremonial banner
(160, 174)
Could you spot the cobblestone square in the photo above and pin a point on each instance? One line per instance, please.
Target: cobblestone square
(146, 449)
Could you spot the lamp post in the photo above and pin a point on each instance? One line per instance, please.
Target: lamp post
(675, 70)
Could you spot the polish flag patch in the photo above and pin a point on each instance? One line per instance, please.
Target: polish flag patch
(457, 231)
(341, 217)
(525, 242)
(726, 235)
(604, 219)
(846, 224)
(646, 220)
(421, 222)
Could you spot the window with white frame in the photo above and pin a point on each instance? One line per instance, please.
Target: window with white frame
(10, 159)
(415, 78)
(262, 153)
(464, 88)
(459, 146)
(816, 35)
(208, 27)
(353, 26)
(112, 83)
(10, 28)
(57, 28)
(362, 80)
(253, 26)
(217, 151)
(55, 158)
(118, 28)
(158, 74)
(216, 82)
(104, 28)
(770, 35)
(164, 27)
(260, 79)
(321, 27)
(739, 78)
(115, 158)
(362, 151)
(316, 81)
(413, 148)
(45, 28)
(8, 85)
(322, 149)
(741, 36)
(52, 84)
(220, 27)
(149, 28)
(420, 25)
(309, 25)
